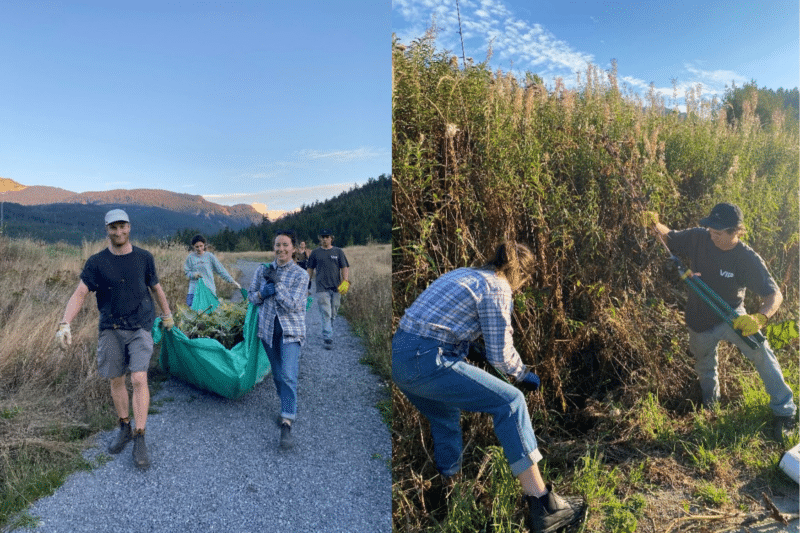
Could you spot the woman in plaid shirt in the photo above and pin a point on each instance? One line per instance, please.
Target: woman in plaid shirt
(429, 366)
(280, 290)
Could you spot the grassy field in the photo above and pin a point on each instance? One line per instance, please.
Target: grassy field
(480, 157)
(52, 401)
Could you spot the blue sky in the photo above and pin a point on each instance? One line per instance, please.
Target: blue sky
(711, 42)
(281, 103)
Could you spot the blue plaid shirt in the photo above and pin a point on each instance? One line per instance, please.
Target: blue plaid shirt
(462, 305)
(288, 303)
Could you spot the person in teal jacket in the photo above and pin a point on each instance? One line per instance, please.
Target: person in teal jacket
(202, 264)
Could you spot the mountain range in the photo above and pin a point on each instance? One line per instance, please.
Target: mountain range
(52, 213)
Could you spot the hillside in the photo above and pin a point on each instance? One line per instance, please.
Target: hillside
(53, 214)
(172, 201)
(72, 223)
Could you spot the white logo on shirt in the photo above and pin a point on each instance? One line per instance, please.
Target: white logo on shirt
(725, 274)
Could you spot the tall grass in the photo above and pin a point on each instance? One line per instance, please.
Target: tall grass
(481, 156)
(368, 303)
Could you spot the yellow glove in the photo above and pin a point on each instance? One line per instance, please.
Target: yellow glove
(343, 287)
(750, 324)
(64, 335)
(649, 219)
(167, 321)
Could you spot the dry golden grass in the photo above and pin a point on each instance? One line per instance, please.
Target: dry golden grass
(368, 303)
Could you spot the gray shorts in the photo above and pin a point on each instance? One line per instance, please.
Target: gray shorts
(119, 349)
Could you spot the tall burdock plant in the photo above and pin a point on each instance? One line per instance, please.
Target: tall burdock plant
(482, 156)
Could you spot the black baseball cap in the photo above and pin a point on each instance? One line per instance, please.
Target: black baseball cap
(723, 216)
(325, 233)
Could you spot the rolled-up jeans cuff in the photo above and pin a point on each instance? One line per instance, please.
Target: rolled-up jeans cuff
(526, 462)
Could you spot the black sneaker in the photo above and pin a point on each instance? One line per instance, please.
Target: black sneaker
(328, 344)
(552, 512)
(783, 427)
(287, 441)
(140, 457)
(122, 439)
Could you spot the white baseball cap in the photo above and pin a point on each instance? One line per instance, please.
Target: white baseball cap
(116, 215)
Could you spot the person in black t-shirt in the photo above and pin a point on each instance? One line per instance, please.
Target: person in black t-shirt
(729, 267)
(328, 266)
(122, 276)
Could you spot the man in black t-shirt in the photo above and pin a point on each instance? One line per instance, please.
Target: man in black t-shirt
(332, 269)
(122, 277)
(729, 267)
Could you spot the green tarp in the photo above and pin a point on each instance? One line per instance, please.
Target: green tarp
(207, 364)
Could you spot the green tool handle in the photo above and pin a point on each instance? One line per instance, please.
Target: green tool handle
(715, 302)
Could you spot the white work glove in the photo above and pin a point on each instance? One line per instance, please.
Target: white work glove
(64, 335)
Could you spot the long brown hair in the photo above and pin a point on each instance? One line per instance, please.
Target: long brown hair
(515, 262)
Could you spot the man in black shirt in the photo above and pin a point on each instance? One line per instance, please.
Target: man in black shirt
(332, 270)
(729, 267)
(122, 276)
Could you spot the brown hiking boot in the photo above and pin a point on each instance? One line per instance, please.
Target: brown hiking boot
(140, 457)
(551, 512)
(123, 437)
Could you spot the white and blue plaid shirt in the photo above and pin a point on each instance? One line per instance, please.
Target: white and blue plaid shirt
(464, 304)
(288, 303)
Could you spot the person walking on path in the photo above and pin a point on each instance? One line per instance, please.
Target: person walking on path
(429, 367)
(301, 256)
(122, 276)
(202, 264)
(332, 279)
(729, 267)
(279, 288)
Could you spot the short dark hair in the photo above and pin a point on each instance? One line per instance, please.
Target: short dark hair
(289, 233)
(198, 238)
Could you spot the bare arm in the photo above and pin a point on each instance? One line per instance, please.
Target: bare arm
(75, 302)
(344, 273)
(771, 304)
(161, 298)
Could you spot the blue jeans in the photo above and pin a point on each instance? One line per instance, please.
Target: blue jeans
(441, 384)
(704, 348)
(284, 358)
(329, 302)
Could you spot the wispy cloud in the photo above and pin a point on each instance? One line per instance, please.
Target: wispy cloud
(526, 45)
(283, 199)
(490, 23)
(310, 161)
(341, 156)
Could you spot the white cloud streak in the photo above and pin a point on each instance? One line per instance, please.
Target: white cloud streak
(283, 199)
(486, 23)
(530, 46)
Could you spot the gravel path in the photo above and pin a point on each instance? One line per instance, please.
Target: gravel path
(216, 465)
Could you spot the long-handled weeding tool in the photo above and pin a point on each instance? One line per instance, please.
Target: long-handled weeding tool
(720, 307)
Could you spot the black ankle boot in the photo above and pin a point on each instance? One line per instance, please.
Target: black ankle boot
(551, 512)
(123, 437)
(140, 457)
(287, 441)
